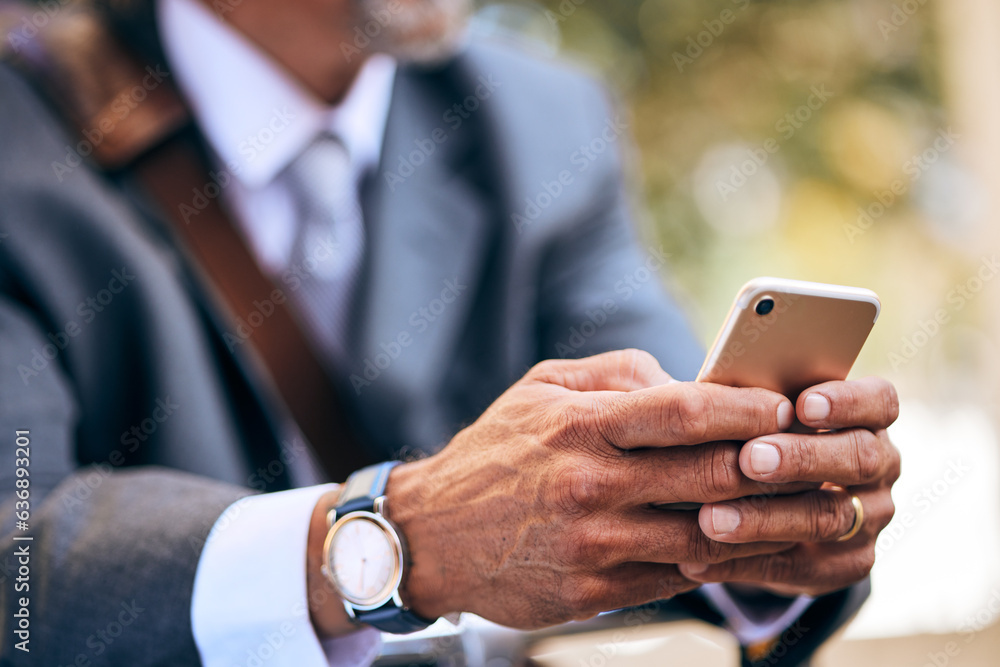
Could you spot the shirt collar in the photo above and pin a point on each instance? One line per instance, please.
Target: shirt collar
(255, 116)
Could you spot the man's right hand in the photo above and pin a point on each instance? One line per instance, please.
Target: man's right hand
(542, 511)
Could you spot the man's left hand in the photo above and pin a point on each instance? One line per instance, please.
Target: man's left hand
(848, 447)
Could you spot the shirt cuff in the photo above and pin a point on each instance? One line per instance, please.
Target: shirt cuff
(249, 602)
(751, 625)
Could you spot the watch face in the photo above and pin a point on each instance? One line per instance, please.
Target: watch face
(364, 559)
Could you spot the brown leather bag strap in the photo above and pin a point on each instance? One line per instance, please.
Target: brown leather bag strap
(87, 74)
(260, 310)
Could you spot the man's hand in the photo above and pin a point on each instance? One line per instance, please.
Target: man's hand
(850, 449)
(541, 511)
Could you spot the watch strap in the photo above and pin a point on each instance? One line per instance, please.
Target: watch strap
(393, 619)
(359, 494)
(365, 484)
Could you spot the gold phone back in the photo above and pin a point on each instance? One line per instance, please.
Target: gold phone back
(804, 341)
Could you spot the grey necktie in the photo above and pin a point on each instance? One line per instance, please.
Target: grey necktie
(329, 243)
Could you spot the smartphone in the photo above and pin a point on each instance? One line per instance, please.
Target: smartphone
(788, 335)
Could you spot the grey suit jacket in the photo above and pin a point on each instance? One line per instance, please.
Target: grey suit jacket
(499, 235)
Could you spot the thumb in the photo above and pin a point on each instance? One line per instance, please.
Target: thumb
(622, 370)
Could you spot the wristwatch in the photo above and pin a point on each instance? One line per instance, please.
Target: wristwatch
(364, 554)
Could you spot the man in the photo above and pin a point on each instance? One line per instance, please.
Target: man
(478, 223)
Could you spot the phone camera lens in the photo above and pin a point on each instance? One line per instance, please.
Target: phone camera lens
(765, 306)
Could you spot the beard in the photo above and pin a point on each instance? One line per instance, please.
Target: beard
(420, 31)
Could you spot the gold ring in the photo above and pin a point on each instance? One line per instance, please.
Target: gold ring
(859, 515)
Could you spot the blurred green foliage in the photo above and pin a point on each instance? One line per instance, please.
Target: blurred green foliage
(709, 82)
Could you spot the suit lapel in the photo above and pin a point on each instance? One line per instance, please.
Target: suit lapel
(427, 217)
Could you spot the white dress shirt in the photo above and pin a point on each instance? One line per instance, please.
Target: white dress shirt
(257, 118)
(249, 603)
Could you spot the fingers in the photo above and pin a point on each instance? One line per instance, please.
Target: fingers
(623, 370)
(657, 536)
(586, 485)
(704, 474)
(868, 403)
(852, 457)
(628, 585)
(802, 569)
(639, 405)
(824, 515)
(651, 536)
(690, 413)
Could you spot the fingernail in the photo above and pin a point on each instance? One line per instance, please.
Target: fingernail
(725, 519)
(764, 458)
(692, 569)
(786, 415)
(816, 407)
